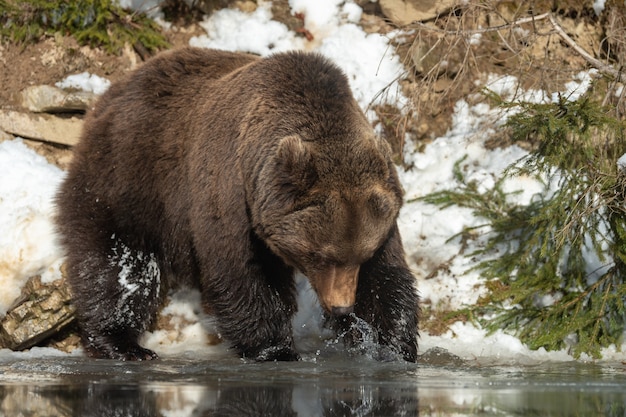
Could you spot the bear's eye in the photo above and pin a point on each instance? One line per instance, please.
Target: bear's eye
(380, 205)
(319, 259)
(307, 204)
(315, 256)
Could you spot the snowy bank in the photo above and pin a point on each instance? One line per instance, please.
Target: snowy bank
(27, 240)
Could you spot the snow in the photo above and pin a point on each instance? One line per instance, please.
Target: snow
(27, 242)
(139, 5)
(128, 261)
(257, 33)
(188, 329)
(621, 163)
(86, 82)
(367, 59)
(28, 184)
(598, 6)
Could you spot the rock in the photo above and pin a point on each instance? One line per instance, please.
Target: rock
(371, 23)
(65, 341)
(49, 99)
(425, 54)
(5, 136)
(41, 311)
(440, 357)
(403, 12)
(432, 52)
(209, 6)
(246, 6)
(60, 156)
(61, 130)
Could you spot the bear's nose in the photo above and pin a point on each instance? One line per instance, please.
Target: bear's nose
(342, 311)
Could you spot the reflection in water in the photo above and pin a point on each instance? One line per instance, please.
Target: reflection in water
(343, 386)
(108, 400)
(257, 401)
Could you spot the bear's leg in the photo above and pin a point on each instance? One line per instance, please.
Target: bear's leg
(116, 294)
(387, 298)
(254, 303)
(257, 324)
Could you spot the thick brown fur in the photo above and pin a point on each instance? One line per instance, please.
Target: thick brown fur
(230, 172)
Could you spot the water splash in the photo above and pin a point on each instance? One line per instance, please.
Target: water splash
(360, 339)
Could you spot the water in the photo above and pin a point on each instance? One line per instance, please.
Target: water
(320, 385)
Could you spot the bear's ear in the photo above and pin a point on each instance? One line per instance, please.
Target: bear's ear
(293, 153)
(294, 157)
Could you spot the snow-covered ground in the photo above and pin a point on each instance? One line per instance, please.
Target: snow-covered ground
(28, 182)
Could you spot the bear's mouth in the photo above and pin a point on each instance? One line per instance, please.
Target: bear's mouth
(336, 288)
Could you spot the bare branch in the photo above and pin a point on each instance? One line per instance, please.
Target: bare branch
(484, 30)
(599, 65)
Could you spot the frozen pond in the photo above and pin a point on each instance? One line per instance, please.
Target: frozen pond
(333, 385)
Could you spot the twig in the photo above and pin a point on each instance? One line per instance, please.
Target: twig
(485, 30)
(599, 65)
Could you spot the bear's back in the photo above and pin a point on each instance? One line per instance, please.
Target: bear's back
(299, 89)
(179, 122)
(130, 157)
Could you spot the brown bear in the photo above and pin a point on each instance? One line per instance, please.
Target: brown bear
(231, 172)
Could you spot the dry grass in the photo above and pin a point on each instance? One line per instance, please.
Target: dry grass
(540, 44)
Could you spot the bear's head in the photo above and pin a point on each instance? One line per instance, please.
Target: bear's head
(326, 207)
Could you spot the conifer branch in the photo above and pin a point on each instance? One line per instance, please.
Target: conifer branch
(543, 248)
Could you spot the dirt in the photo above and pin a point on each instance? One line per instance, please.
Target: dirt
(447, 59)
(54, 58)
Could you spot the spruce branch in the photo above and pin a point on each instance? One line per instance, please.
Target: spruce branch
(540, 249)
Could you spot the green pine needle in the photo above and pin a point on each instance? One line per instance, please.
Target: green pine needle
(540, 249)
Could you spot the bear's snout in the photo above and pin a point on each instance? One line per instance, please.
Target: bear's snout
(342, 311)
(336, 288)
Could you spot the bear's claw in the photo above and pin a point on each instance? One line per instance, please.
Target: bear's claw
(276, 353)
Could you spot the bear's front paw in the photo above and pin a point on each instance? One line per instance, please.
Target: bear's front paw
(276, 353)
(129, 352)
(138, 353)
